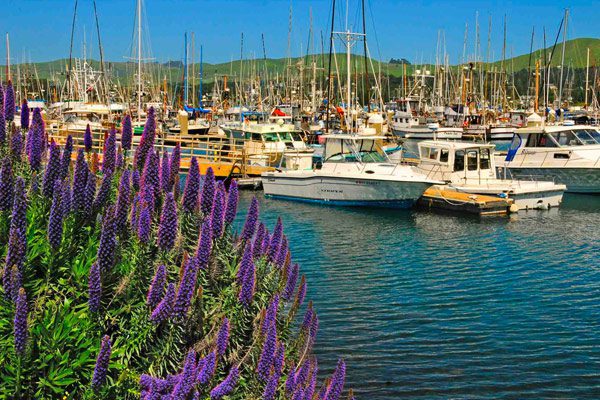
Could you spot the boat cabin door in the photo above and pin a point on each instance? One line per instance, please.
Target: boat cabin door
(473, 164)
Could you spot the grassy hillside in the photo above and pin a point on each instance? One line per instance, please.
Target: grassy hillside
(575, 56)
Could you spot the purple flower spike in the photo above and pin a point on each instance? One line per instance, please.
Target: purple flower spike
(174, 167)
(52, 172)
(290, 382)
(55, 223)
(248, 279)
(279, 359)
(275, 241)
(135, 180)
(157, 287)
(101, 368)
(301, 292)
(204, 245)
(2, 125)
(17, 242)
(144, 224)
(208, 192)
(302, 374)
(258, 240)
(108, 241)
(290, 285)
(223, 337)
(103, 193)
(282, 253)
(20, 323)
(244, 264)
(165, 172)
(9, 102)
(127, 133)
(251, 220)
(227, 386)
(88, 143)
(6, 184)
(167, 230)
(192, 186)
(271, 387)
(187, 380)
(271, 315)
(65, 160)
(123, 201)
(36, 140)
(232, 203)
(187, 287)
(266, 355)
(218, 211)
(109, 158)
(208, 368)
(337, 381)
(80, 177)
(24, 115)
(150, 181)
(146, 145)
(94, 289)
(164, 309)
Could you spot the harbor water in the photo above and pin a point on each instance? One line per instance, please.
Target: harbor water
(432, 306)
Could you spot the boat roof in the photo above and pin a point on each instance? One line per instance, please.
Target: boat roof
(344, 136)
(454, 144)
(553, 128)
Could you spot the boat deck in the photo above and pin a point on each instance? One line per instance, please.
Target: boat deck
(441, 197)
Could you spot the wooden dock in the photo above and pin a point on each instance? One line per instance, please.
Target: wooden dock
(441, 197)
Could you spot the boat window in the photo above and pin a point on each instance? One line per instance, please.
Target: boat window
(256, 137)
(532, 140)
(271, 137)
(444, 155)
(369, 152)
(595, 134)
(545, 141)
(472, 160)
(285, 136)
(584, 136)
(433, 154)
(296, 136)
(484, 159)
(459, 160)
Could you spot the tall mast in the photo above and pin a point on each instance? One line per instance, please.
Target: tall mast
(70, 50)
(366, 75)
(139, 51)
(200, 104)
(587, 77)
(7, 58)
(562, 60)
(185, 71)
(329, 67)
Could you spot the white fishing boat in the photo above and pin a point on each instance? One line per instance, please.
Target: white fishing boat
(406, 126)
(565, 153)
(470, 168)
(355, 172)
(266, 140)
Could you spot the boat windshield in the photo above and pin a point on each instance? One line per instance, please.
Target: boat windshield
(366, 151)
(587, 136)
(285, 136)
(271, 137)
(297, 137)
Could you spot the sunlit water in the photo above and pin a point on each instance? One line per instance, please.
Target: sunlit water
(430, 306)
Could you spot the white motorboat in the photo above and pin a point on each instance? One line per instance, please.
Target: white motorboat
(355, 172)
(470, 168)
(565, 153)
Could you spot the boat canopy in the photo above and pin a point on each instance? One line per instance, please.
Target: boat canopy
(198, 109)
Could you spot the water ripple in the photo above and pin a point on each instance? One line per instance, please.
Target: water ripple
(429, 306)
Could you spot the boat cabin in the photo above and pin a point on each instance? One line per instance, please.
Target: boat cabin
(557, 136)
(456, 161)
(344, 148)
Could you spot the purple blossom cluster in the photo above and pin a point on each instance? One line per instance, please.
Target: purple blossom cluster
(208, 192)
(192, 186)
(101, 368)
(127, 133)
(146, 146)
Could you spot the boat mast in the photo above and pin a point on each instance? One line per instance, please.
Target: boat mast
(7, 58)
(366, 75)
(200, 104)
(562, 60)
(329, 83)
(185, 71)
(587, 77)
(139, 60)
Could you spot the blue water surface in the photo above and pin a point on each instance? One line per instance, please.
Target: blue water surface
(435, 306)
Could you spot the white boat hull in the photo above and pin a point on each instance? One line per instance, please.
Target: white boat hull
(343, 191)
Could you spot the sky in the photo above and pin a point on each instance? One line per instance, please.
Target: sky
(40, 29)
